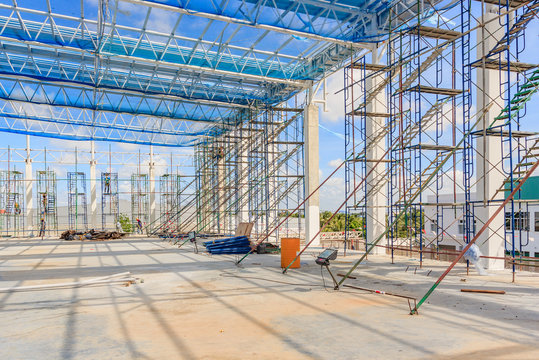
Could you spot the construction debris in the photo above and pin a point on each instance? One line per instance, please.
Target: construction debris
(91, 235)
(267, 248)
(233, 245)
(170, 235)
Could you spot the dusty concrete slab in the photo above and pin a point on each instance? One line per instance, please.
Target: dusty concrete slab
(195, 306)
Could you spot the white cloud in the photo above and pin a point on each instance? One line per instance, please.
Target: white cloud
(62, 144)
(335, 162)
(335, 102)
(124, 186)
(332, 194)
(162, 21)
(128, 146)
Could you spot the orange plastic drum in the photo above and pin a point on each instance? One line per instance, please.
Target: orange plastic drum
(289, 250)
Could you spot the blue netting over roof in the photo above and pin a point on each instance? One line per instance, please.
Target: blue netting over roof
(172, 72)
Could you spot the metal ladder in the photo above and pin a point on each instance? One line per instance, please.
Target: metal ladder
(520, 99)
(528, 160)
(503, 44)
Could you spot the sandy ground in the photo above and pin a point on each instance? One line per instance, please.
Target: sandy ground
(195, 306)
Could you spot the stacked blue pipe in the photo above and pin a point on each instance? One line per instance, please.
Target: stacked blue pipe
(233, 245)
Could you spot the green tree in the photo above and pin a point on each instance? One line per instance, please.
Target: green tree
(125, 222)
(338, 222)
(410, 223)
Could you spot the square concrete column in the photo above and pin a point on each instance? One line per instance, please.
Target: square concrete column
(222, 190)
(93, 188)
(243, 171)
(376, 148)
(312, 177)
(271, 216)
(28, 188)
(490, 178)
(203, 203)
(151, 174)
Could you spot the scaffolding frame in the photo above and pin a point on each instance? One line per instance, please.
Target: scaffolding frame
(47, 208)
(77, 205)
(253, 174)
(110, 201)
(170, 193)
(12, 202)
(140, 198)
(428, 76)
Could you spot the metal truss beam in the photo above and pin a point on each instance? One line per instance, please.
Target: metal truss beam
(157, 79)
(88, 125)
(160, 139)
(103, 120)
(28, 90)
(114, 44)
(153, 77)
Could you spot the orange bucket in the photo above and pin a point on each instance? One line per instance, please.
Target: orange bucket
(289, 250)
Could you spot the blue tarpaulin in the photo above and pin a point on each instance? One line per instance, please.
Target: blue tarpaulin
(233, 245)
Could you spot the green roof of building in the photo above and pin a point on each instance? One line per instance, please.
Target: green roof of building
(529, 191)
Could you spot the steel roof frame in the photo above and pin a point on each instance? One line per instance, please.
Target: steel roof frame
(102, 74)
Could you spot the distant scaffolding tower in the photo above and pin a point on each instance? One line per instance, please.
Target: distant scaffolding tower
(140, 207)
(78, 219)
(11, 202)
(110, 209)
(46, 199)
(169, 205)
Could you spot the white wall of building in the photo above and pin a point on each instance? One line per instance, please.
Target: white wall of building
(453, 226)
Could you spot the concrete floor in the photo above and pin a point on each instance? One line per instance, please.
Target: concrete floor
(193, 306)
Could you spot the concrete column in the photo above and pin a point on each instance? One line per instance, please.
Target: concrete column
(222, 192)
(93, 187)
(491, 241)
(312, 168)
(202, 191)
(151, 175)
(28, 204)
(270, 218)
(376, 213)
(243, 157)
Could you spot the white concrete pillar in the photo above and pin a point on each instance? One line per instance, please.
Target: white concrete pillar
(376, 202)
(221, 219)
(93, 187)
(243, 156)
(273, 159)
(151, 174)
(312, 177)
(490, 178)
(28, 204)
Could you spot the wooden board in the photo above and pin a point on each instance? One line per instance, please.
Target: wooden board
(483, 291)
(244, 229)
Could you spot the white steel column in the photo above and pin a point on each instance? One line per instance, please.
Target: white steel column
(93, 187)
(376, 202)
(28, 205)
(490, 178)
(312, 168)
(151, 175)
